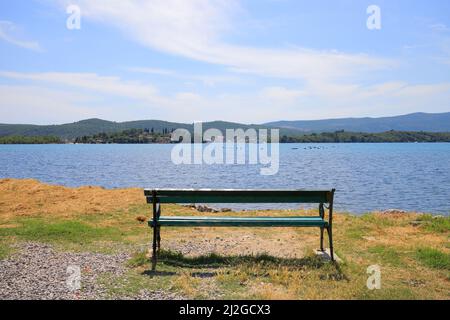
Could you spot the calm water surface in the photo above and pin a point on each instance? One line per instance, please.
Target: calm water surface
(367, 176)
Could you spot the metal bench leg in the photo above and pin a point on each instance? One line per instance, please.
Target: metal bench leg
(322, 215)
(154, 255)
(321, 239)
(330, 237)
(159, 239)
(330, 224)
(156, 227)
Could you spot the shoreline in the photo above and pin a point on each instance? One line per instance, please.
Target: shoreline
(286, 143)
(138, 192)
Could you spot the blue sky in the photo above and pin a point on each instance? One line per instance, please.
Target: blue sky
(248, 61)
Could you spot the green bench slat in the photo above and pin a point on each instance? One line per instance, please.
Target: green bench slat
(239, 196)
(241, 221)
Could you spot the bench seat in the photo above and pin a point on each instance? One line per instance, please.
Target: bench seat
(196, 221)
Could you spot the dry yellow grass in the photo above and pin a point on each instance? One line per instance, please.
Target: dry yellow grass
(31, 197)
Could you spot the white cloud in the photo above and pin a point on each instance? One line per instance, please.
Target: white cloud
(8, 33)
(157, 71)
(90, 81)
(195, 29)
(37, 104)
(424, 90)
(439, 27)
(98, 91)
(281, 94)
(388, 98)
(207, 80)
(72, 96)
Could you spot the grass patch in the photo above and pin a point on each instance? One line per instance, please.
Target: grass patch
(215, 260)
(60, 232)
(357, 232)
(433, 258)
(236, 277)
(138, 259)
(398, 293)
(187, 285)
(131, 283)
(387, 255)
(375, 220)
(435, 224)
(5, 250)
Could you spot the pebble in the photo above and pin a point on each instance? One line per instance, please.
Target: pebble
(393, 211)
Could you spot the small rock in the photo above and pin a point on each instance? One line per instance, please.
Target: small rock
(414, 282)
(393, 211)
(202, 208)
(416, 223)
(325, 255)
(141, 219)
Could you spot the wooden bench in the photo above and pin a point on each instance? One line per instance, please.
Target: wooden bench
(156, 197)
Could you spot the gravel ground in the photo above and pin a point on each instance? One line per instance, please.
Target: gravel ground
(238, 245)
(37, 271)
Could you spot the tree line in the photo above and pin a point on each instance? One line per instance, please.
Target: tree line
(132, 136)
(361, 137)
(135, 136)
(30, 140)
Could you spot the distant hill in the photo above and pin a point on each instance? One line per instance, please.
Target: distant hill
(431, 122)
(83, 128)
(91, 127)
(439, 122)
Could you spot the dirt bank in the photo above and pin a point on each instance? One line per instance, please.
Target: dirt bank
(31, 197)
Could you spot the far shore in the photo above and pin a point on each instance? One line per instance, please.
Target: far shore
(140, 136)
(170, 143)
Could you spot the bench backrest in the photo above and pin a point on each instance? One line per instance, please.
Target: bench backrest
(238, 196)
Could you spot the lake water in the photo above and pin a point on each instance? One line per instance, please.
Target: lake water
(367, 176)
